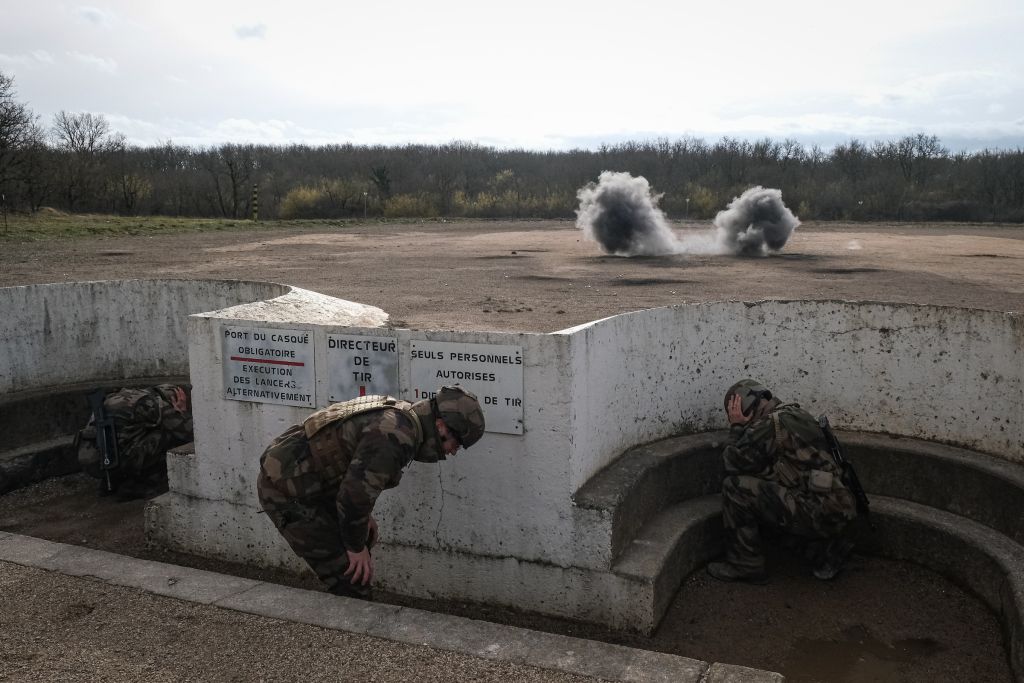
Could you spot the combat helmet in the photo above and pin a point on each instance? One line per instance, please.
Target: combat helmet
(750, 392)
(461, 412)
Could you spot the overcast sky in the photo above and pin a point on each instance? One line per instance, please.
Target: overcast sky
(540, 74)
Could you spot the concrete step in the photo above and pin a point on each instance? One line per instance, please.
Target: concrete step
(977, 557)
(41, 460)
(971, 484)
(620, 499)
(671, 545)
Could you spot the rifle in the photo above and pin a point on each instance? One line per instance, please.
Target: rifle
(848, 475)
(106, 438)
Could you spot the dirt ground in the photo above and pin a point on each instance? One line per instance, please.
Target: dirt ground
(881, 621)
(543, 276)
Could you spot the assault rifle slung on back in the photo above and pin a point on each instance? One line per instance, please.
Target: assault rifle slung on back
(106, 438)
(848, 474)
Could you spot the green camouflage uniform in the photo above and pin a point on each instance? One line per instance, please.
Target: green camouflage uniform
(319, 480)
(147, 426)
(780, 474)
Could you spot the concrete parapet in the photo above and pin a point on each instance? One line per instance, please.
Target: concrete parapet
(73, 332)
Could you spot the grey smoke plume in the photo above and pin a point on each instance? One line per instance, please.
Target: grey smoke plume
(621, 214)
(755, 223)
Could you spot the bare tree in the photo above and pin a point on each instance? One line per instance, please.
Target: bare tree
(84, 140)
(19, 133)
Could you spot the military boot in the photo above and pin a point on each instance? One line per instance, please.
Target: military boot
(725, 571)
(833, 557)
(351, 590)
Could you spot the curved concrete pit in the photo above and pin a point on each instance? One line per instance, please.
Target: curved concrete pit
(949, 509)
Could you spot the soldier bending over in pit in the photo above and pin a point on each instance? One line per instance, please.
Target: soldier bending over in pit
(144, 424)
(319, 480)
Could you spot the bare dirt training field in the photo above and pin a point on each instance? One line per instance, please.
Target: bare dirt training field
(544, 275)
(880, 620)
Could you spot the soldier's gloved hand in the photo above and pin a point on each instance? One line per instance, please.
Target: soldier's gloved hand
(360, 567)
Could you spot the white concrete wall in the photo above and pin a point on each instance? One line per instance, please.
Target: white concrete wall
(944, 374)
(508, 496)
(593, 391)
(72, 332)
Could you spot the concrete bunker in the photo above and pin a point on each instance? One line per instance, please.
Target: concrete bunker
(571, 517)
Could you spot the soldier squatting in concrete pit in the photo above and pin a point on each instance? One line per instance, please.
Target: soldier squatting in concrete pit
(780, 476)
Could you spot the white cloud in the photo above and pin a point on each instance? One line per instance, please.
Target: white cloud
(94, 15)
(29, 59)
(103, 64)
(15, 60)
(937, 87)
(455, 69)
(257, 31)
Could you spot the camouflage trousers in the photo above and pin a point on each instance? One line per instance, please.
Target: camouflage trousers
(751, 504)
(309, 525)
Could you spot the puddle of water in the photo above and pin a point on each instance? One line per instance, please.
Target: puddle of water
(856, 657)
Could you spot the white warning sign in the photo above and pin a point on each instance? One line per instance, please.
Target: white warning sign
(269, 366)
(491, 371)
(359, 365)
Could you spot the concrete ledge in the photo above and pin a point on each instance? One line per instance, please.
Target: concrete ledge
(616, 503)
(400, 624)
(643, 480)
(671, 546)
(985, 561)
(971, 484)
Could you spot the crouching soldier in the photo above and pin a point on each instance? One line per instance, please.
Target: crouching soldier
(138, 427)
(779, 476)
(319, 480)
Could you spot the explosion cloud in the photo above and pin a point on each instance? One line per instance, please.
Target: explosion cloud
(621, 214)
(755, 222)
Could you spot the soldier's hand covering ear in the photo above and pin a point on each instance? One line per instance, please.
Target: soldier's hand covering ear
(178, 400)
(734, 411)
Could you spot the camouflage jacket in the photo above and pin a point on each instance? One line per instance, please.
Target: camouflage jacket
(146, 424)
(786, 446)
(351, 460)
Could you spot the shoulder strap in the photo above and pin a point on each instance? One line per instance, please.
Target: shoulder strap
(774, 415)
(357, 406)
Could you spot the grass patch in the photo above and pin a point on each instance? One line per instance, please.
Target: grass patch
(49, 224)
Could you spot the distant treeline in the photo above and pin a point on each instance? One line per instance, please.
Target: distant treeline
(79, 164)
